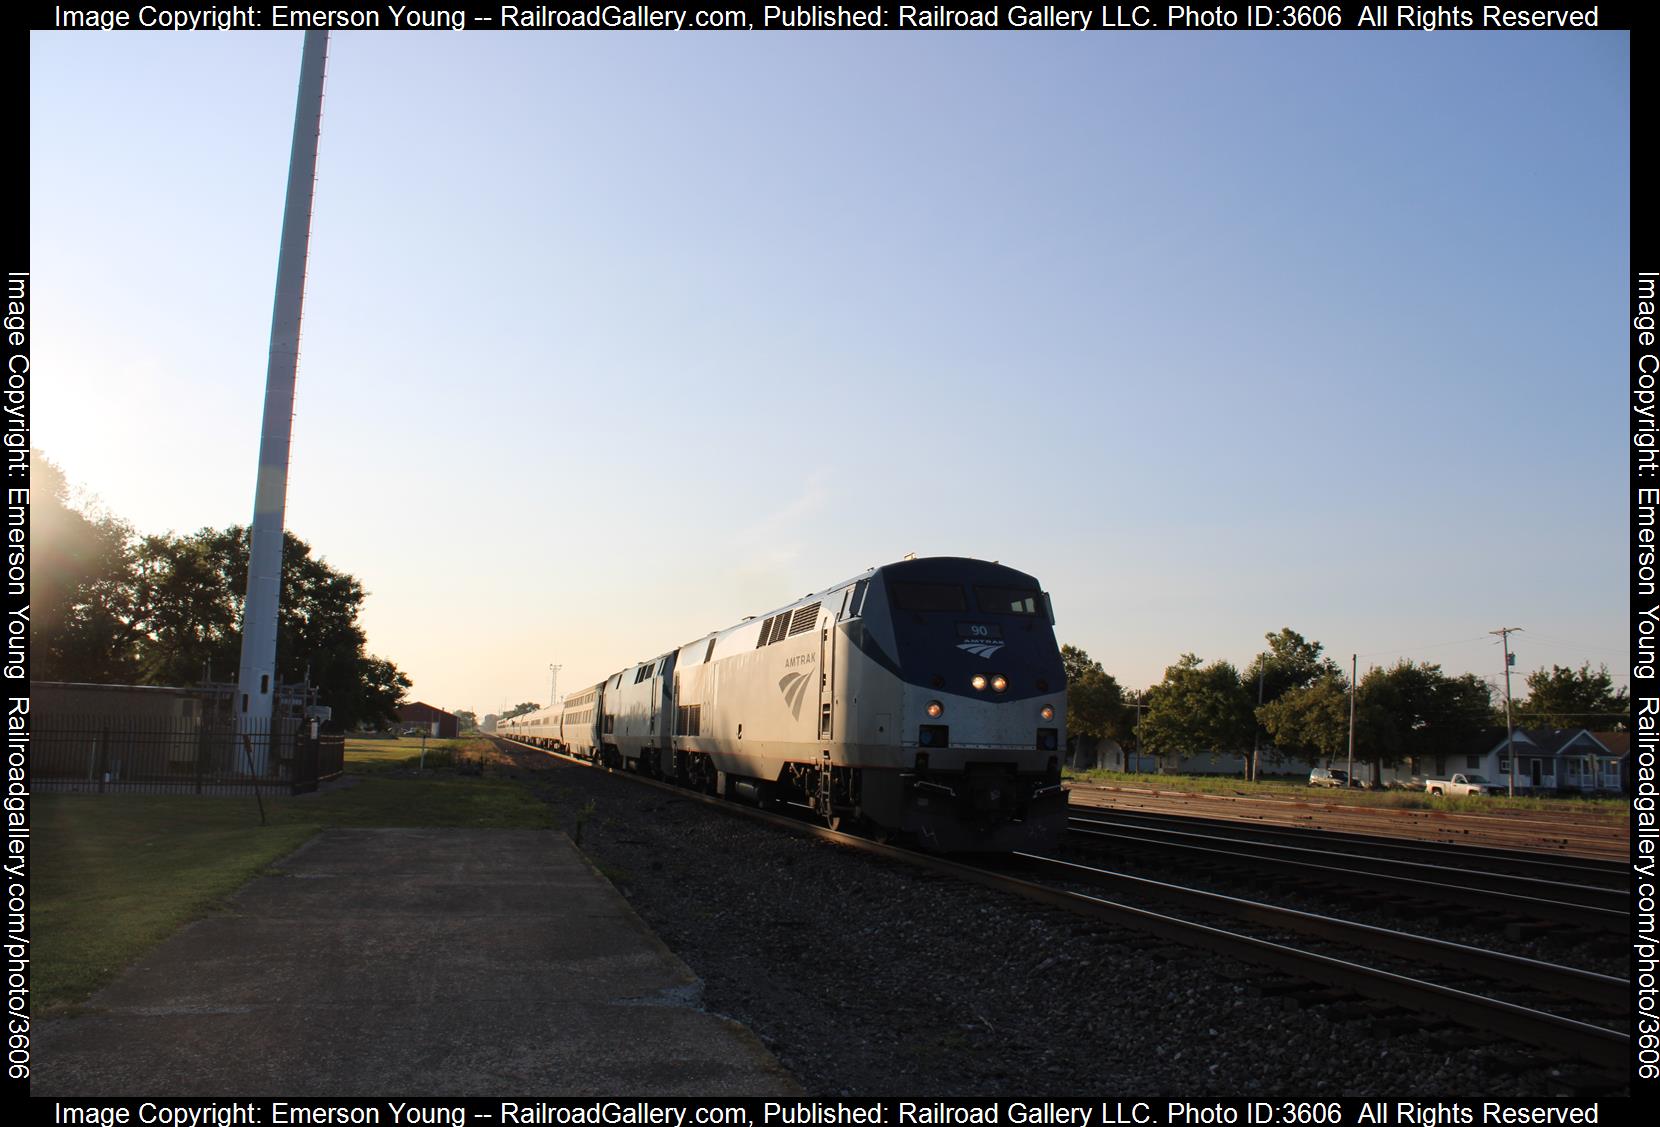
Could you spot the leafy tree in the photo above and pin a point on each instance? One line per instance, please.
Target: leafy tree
(1572, 698)
(520, 709)
(1412, 712)
(371, 697)
(1197, 708)
(1076, 663)
(190, 591)
(191, 614)
(1094, 705)
(1291, 662)
(465, 720)
(1311, 721)
(110, 608)
(80, 579)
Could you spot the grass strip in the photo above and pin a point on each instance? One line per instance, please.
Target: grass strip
(115, 874)
(1610, 806)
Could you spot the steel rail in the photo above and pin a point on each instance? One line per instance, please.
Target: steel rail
(1605, 1048)
(1610, 874)
(1493, 830)
(1527, 907)
(1520, 884)
(1589, 986)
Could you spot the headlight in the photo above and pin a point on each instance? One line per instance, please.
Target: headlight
(998, 683)
(979, 682)
(1048, 712)
(934, 708)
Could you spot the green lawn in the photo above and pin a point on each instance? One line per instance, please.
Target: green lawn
(405, 751)
(1613, 806)
(112, 875)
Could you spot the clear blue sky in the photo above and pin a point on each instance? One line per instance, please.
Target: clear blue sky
(611, 339)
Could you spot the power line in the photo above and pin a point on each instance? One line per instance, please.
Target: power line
(1431, 646)
(1580, 646)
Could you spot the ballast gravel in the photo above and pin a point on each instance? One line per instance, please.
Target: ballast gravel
(866, 978)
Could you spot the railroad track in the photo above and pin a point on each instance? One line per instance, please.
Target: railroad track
(1606, 993)
(1494, 859)
(1565, 835)
(1595, 1044)
(1334, 870)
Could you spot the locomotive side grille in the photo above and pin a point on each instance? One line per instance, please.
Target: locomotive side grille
(804, 619)
(688, 720)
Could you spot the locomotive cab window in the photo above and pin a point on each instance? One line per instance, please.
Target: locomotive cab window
(1007, 600)
(928, 596)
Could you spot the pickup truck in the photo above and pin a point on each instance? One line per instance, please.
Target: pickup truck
(1460, 785)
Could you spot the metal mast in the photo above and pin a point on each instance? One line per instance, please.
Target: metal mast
(256, 682)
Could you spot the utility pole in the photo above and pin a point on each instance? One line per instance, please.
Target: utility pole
(553, 689)
(1504, 633)
(256, 679)
(1137, 742)
(1256, 734)
(1354, 691)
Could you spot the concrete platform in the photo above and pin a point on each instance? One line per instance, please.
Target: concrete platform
(441, 962)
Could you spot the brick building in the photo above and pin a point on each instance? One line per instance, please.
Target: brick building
(425, 715)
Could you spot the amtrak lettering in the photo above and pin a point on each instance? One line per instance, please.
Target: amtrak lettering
(800, 659)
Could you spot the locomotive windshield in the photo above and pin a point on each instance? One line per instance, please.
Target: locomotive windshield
(1007, 600)
(928, 596)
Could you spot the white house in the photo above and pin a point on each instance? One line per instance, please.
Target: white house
(1573, 760)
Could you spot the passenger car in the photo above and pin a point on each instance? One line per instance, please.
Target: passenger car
(1328, 777)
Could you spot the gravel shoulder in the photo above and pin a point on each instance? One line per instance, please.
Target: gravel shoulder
(866, 979)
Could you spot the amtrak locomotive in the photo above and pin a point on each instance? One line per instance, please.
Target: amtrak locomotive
(923, 699)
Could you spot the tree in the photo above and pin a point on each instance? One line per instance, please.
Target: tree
(80, 579)
(108, 607)
(189, 592)
(1290, 663)
(1416, 712)
(520, 709)
(1311, 721)
(1197, 709)
(1075, 663)
(465, 720)
(1094, 705)
(1573, 698)
(191, 614)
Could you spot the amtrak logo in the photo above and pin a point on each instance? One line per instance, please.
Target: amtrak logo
(980, 649)
(794, 688)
